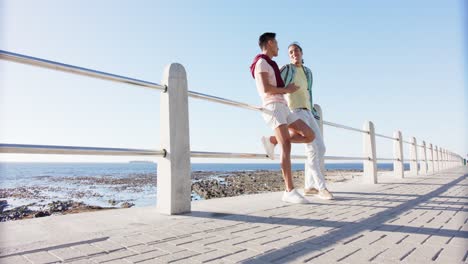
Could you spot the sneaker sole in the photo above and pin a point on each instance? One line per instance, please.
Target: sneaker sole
(304, 202)
(325, 198)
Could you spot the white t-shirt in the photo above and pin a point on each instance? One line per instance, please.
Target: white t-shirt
(263, 66)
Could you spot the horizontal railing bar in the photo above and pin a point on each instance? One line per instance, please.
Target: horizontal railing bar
(256, 108)
(379, 135)
(345, 127)
(205, 154)
(74, 150)
(408, 142)
(345, 158)
(293, 157)
(15, 57)
(226, 101)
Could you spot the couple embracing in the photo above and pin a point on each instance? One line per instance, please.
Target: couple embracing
(287, 95)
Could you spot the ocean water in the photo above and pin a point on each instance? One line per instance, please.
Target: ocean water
(40, 179)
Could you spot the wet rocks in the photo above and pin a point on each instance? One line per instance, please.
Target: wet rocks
(3, 204)
(126, 205)
(53, 208)
(246, 182)
(60, 206)
(41, 214)
(239, 183)
(15, 213)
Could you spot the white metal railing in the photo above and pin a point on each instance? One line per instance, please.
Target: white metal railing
(174, 188)
(345, 127)
(383, 136)
(15, 57)
(226, 101)
(71, 150)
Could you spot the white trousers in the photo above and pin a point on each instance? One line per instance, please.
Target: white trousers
(315, 151)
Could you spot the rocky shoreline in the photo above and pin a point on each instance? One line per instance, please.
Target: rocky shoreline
(240, 183)
(205, 185)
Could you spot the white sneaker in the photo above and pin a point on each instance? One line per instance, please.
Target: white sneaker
(325, 195)
(310, 191)
(269, 147)
(294, 197)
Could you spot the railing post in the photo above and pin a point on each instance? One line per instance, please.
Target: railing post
(173, 178)
(398, 165)
(436, 159)
(441, 159)
(444, 155)
(449, 159)
(424, 159)
(320, 124)
(446, 158)
(431, 159)
(413, 157)
(370, 165)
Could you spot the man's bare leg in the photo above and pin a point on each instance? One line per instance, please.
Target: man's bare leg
(283, 139)
(299, 132)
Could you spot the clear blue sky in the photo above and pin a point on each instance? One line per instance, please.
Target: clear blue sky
(401, 64)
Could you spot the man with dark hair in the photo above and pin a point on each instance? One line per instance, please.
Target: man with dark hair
(264, 38)
(271, 89)
(300, 102)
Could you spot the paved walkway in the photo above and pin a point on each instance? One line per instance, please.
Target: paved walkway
(414, 220)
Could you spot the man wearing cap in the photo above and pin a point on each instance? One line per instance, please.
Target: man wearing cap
(271, 89)
(300, 103)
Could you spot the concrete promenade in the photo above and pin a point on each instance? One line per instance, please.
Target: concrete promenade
(419, 219)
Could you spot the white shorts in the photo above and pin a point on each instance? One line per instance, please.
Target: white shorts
(281, 115)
